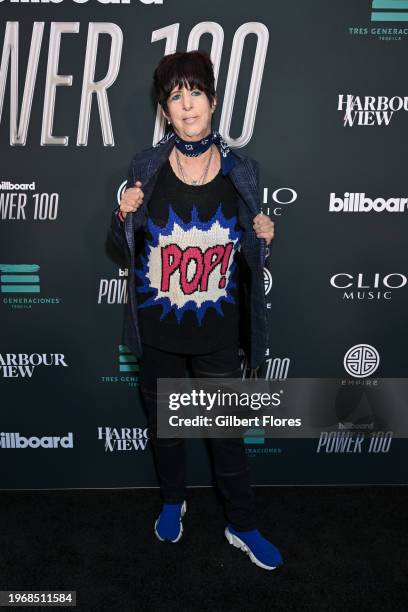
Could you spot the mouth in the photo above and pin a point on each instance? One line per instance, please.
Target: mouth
(189, 119)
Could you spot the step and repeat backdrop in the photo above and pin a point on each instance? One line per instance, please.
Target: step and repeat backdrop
(317, 92)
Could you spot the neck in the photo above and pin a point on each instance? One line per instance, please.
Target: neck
(196, 137)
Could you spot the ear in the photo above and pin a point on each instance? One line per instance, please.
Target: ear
(214, 102)
(163, 113)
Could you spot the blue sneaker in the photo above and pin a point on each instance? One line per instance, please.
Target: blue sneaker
(168, 526)
(260, 551)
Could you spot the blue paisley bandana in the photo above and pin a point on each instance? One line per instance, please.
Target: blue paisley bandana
(197, 147)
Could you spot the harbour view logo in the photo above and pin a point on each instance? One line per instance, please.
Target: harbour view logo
(359, 202)
(21, 365)
(361, 360)
(387, 21)
(18, 279)
(123, 438)
(128, 367)
(361, 286)
(17, 441)
(114, 290)
(369, 110)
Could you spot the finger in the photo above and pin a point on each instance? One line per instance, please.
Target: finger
(263, 222)
(129, 208)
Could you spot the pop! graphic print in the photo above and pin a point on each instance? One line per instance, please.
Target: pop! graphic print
(188, 266)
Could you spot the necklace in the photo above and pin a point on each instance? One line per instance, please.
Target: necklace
(203, 176)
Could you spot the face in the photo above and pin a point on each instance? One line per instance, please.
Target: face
(189, 112)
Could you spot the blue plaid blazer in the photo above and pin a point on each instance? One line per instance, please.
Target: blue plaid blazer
(144, 167)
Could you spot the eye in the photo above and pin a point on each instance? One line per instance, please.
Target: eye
(196, 91)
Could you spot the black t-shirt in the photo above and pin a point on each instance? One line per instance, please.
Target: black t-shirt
(186, 270)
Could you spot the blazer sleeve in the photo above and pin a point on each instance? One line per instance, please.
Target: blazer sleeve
(116, 233)
(257, 173)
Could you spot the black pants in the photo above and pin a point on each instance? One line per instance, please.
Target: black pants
(229, 457)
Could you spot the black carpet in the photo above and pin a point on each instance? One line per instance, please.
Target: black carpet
(345, 548)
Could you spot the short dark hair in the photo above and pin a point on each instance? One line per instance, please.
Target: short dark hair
(182, 68)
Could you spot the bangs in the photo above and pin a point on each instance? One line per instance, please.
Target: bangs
(190, 69)
(184, 79)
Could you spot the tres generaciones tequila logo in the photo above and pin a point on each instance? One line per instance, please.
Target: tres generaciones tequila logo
(388, 21)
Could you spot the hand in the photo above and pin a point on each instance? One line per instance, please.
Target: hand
(131, 199)
(264, 227)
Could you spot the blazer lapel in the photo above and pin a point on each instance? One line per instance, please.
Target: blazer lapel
(243, 177)
(145, 171)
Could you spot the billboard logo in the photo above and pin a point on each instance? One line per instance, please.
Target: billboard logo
(19, 278)
(389, 10)
(16, 440)
(358, 202)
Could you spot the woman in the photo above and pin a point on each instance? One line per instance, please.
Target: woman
(190, 226)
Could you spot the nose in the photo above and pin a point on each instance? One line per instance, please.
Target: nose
(187, 99)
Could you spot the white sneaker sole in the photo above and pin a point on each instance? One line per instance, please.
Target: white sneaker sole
(183, 511)
(238, 543)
